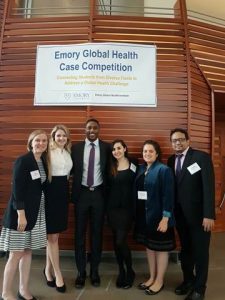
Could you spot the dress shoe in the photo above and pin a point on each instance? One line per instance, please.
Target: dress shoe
(151, 292)
(50, 283)
(195, 296)
(120, 280)
(142, 286)
(61, 289)
(184, 288)
(95, 279)
(80, 281)
(20, 297)
(129, 279)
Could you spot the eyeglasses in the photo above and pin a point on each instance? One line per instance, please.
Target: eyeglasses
(180, 140)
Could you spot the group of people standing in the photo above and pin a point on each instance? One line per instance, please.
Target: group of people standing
(154, 197)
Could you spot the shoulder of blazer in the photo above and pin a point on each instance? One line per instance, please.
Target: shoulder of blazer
(104, 144)
(27, 159)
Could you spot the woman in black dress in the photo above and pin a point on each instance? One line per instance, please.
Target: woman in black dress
(154, 186)
(24, 226)
(57, 201)
(120, 210)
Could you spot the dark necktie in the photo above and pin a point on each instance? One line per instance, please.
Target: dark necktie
(178, 165)
(91, 163)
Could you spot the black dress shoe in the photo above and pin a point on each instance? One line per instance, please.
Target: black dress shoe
(184, 288)
(142, 286)
(95, 279)
(195, 296)
(120, 280)
(61, 289)
(151, 292)
(80, 281)
(20, 297)
(50, 283)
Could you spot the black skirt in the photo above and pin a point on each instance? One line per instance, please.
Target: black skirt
(156, 240)
(57, 202)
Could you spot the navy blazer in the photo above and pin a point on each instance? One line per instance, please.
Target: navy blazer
(77, 153)
(196, 192)
(26, 192)
(159, 184)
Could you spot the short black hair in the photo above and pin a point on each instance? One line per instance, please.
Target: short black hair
(182, 130)
(92, 120)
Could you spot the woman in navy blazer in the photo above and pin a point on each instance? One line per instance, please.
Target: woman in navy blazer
(24, 227)
(154, 187)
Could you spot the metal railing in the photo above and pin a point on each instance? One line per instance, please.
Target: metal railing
(205, 18)
(32, 9)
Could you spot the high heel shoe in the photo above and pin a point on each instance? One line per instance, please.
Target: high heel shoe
(142, 286)
(129, 279)
(50, 283)
(61, 289)
(20, 297)
(151, 292)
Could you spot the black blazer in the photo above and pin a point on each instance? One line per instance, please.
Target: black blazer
(26, 192)
(77, 153)
(196, 193)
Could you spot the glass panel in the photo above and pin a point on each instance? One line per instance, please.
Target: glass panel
(143, 8)
(50, 8)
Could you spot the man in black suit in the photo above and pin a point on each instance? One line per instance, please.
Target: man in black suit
(90, 159)
(194, 212)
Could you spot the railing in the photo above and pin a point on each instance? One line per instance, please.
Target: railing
(49, 8)
(205, 18)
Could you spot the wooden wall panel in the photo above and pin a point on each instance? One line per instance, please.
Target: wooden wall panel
(201, 110)
(18, 116)
(207, 45)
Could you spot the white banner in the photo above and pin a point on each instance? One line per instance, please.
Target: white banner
(109, 74)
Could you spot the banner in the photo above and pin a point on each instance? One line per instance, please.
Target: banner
(109, 74)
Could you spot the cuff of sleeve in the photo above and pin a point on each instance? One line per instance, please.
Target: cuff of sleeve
(166, 214)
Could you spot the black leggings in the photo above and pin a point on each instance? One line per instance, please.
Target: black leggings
(122, 250)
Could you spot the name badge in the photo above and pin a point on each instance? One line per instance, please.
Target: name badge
(133, 168)
(35, 174)
(194, 168)
(142, 195)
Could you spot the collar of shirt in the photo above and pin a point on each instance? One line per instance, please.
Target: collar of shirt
(182, 158)
(96, 142)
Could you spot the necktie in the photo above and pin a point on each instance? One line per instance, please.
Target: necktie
(91, 163)
(178, 166)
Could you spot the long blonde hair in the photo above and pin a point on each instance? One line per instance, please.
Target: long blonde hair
(53, 144)
(45, 155)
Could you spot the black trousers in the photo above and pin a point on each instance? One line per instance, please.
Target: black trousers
(194, 253)
(89, 208)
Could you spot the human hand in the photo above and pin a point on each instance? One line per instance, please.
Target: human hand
(22, 221)
(163, 225)
(208, 224)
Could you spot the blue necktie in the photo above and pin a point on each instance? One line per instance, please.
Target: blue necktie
(91, 163)
(178, 165)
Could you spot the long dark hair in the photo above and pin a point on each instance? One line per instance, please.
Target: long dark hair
(114, 162)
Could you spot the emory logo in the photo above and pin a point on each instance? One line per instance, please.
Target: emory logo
(81, 95)
(67, 96)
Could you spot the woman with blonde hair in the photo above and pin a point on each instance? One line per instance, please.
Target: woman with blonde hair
(57, 201)
(24, 226)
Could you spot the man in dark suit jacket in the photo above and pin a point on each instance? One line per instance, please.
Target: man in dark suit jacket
(194, 212)
(88, 198)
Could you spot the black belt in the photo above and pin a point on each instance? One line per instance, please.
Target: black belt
(92, 188)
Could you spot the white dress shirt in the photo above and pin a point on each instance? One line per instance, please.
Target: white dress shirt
(182, 158)
(61, 162)
(97, 168)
